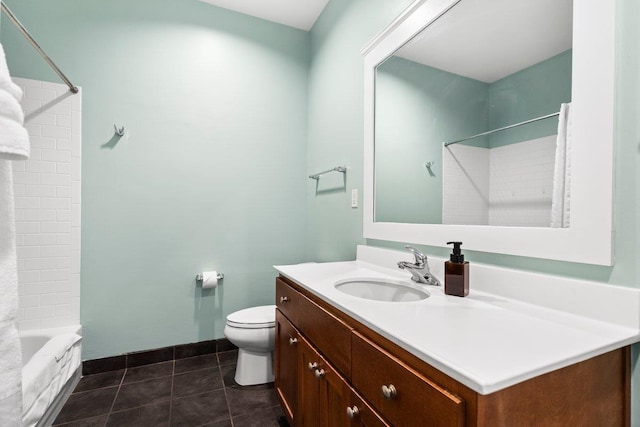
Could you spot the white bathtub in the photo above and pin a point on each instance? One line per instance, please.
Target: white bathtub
(51, 368)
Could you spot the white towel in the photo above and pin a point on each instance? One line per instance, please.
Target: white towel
(14, 140)
(14, 145)
(561, 197)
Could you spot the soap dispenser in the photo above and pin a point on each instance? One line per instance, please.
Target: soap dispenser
(456, 273)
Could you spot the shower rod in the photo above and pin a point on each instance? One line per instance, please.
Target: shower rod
(37, 47)
(446, 144)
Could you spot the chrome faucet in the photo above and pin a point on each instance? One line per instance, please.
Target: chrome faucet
(419, 270)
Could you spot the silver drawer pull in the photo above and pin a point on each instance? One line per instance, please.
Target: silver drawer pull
(353, 412)
(283, 300)
(313, 366)
(319, 373)
(293, 341)
(389, 392)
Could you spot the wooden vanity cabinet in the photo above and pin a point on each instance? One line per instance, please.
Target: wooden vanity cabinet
(350, 392)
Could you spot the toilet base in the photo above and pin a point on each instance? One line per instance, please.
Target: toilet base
(254, 368)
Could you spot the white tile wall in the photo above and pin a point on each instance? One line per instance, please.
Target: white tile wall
(465, 181)
(510, 185)
(47, 190)
(521, 178)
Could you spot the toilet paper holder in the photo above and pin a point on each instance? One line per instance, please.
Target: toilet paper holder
(199, 278)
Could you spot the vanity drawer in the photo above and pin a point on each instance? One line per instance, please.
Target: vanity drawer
(330, 335)
(412, 399)
(287, 300)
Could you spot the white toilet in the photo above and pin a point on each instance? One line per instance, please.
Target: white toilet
(252, 330)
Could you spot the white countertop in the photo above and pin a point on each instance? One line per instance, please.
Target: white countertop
(486, 341)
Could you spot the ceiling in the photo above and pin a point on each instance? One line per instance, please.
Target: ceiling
(488, 40)
(300, 14)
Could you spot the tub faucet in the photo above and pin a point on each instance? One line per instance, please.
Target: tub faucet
(419, 270)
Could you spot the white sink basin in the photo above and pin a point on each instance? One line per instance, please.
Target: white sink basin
(382, 289)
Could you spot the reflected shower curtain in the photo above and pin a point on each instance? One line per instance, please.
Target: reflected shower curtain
(14, 145)
(561, 197)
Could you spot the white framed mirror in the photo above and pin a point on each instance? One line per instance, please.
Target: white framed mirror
(404, 196)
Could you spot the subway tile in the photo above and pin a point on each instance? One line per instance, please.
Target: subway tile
(26, 178)
(63, 120)
(27, 202)
(42, 142)
(18, 165)
(39, 191)
(26, 325)
(28, 252)
(40, 166)
(63, 144)
(33, 129)
(41, 119)
(54, 179)
(55, 227)
(29, 301)
(63, 215)
(39, 214)
(39, 93)
(55, 203)
(63, 168)
(55, 275)
(39, 263)
(40, 239)
(56, 132)
(27, 227)
(55, 250)
(56, 155)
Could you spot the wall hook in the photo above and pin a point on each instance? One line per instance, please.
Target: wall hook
(119, 132)
(428, 166)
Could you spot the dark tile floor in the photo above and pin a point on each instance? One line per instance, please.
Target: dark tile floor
(198, 391)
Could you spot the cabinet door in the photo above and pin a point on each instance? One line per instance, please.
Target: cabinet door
(362, 415)
(286, 365)
(324, 394)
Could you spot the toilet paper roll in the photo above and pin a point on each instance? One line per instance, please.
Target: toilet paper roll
(210, 279)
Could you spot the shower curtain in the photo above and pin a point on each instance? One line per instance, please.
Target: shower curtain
(561, 197)
(14, 145)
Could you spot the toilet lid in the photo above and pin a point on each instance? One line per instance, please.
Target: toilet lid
(254, 317)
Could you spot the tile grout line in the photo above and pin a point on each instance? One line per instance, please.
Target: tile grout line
(173, 375)
(224, 390)
(124, 374)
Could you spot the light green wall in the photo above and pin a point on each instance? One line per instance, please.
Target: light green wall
(336, 118)
(336, 79)
(211, 174)
(417, 109)
(533, 92)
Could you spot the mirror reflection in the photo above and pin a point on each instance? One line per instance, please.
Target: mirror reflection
(472, 118)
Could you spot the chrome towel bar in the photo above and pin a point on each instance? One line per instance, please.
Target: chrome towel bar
(342, 169)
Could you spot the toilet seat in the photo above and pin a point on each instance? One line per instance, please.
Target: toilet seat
(253, 318)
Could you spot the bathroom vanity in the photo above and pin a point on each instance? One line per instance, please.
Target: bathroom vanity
(483, 360)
